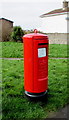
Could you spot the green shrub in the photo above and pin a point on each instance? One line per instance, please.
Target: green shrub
(17, 34)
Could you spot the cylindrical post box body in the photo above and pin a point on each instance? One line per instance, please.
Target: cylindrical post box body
(35, 64)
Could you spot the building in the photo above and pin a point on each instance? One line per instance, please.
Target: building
(5, 29)
(56, 23)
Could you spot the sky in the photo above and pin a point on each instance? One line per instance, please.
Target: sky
(26, 13)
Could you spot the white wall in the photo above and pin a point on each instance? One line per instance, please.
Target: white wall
(54, 24)
(68, 23)
(58, 38)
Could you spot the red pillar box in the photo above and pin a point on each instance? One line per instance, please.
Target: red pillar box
(35, 64)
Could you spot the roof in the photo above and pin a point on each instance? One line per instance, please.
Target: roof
(56, 12)
(6, 20)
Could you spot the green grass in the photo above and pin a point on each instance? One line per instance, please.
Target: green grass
(58, 50)
(15, 50)
(0, 89)
(16, 106)
(12, 50)
(0, 49)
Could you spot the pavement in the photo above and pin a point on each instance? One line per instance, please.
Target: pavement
(62, 114)
(23, 58)
(12, 58)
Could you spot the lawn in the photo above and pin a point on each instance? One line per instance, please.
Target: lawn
(58, 50)
(14, 103)
(0, 49)
(15, 50)
(12, 50)
(0, 88)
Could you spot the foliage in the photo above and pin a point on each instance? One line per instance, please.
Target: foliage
(17, 34)
(32, 31)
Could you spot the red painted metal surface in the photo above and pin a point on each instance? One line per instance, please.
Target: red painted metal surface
(35, 64)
